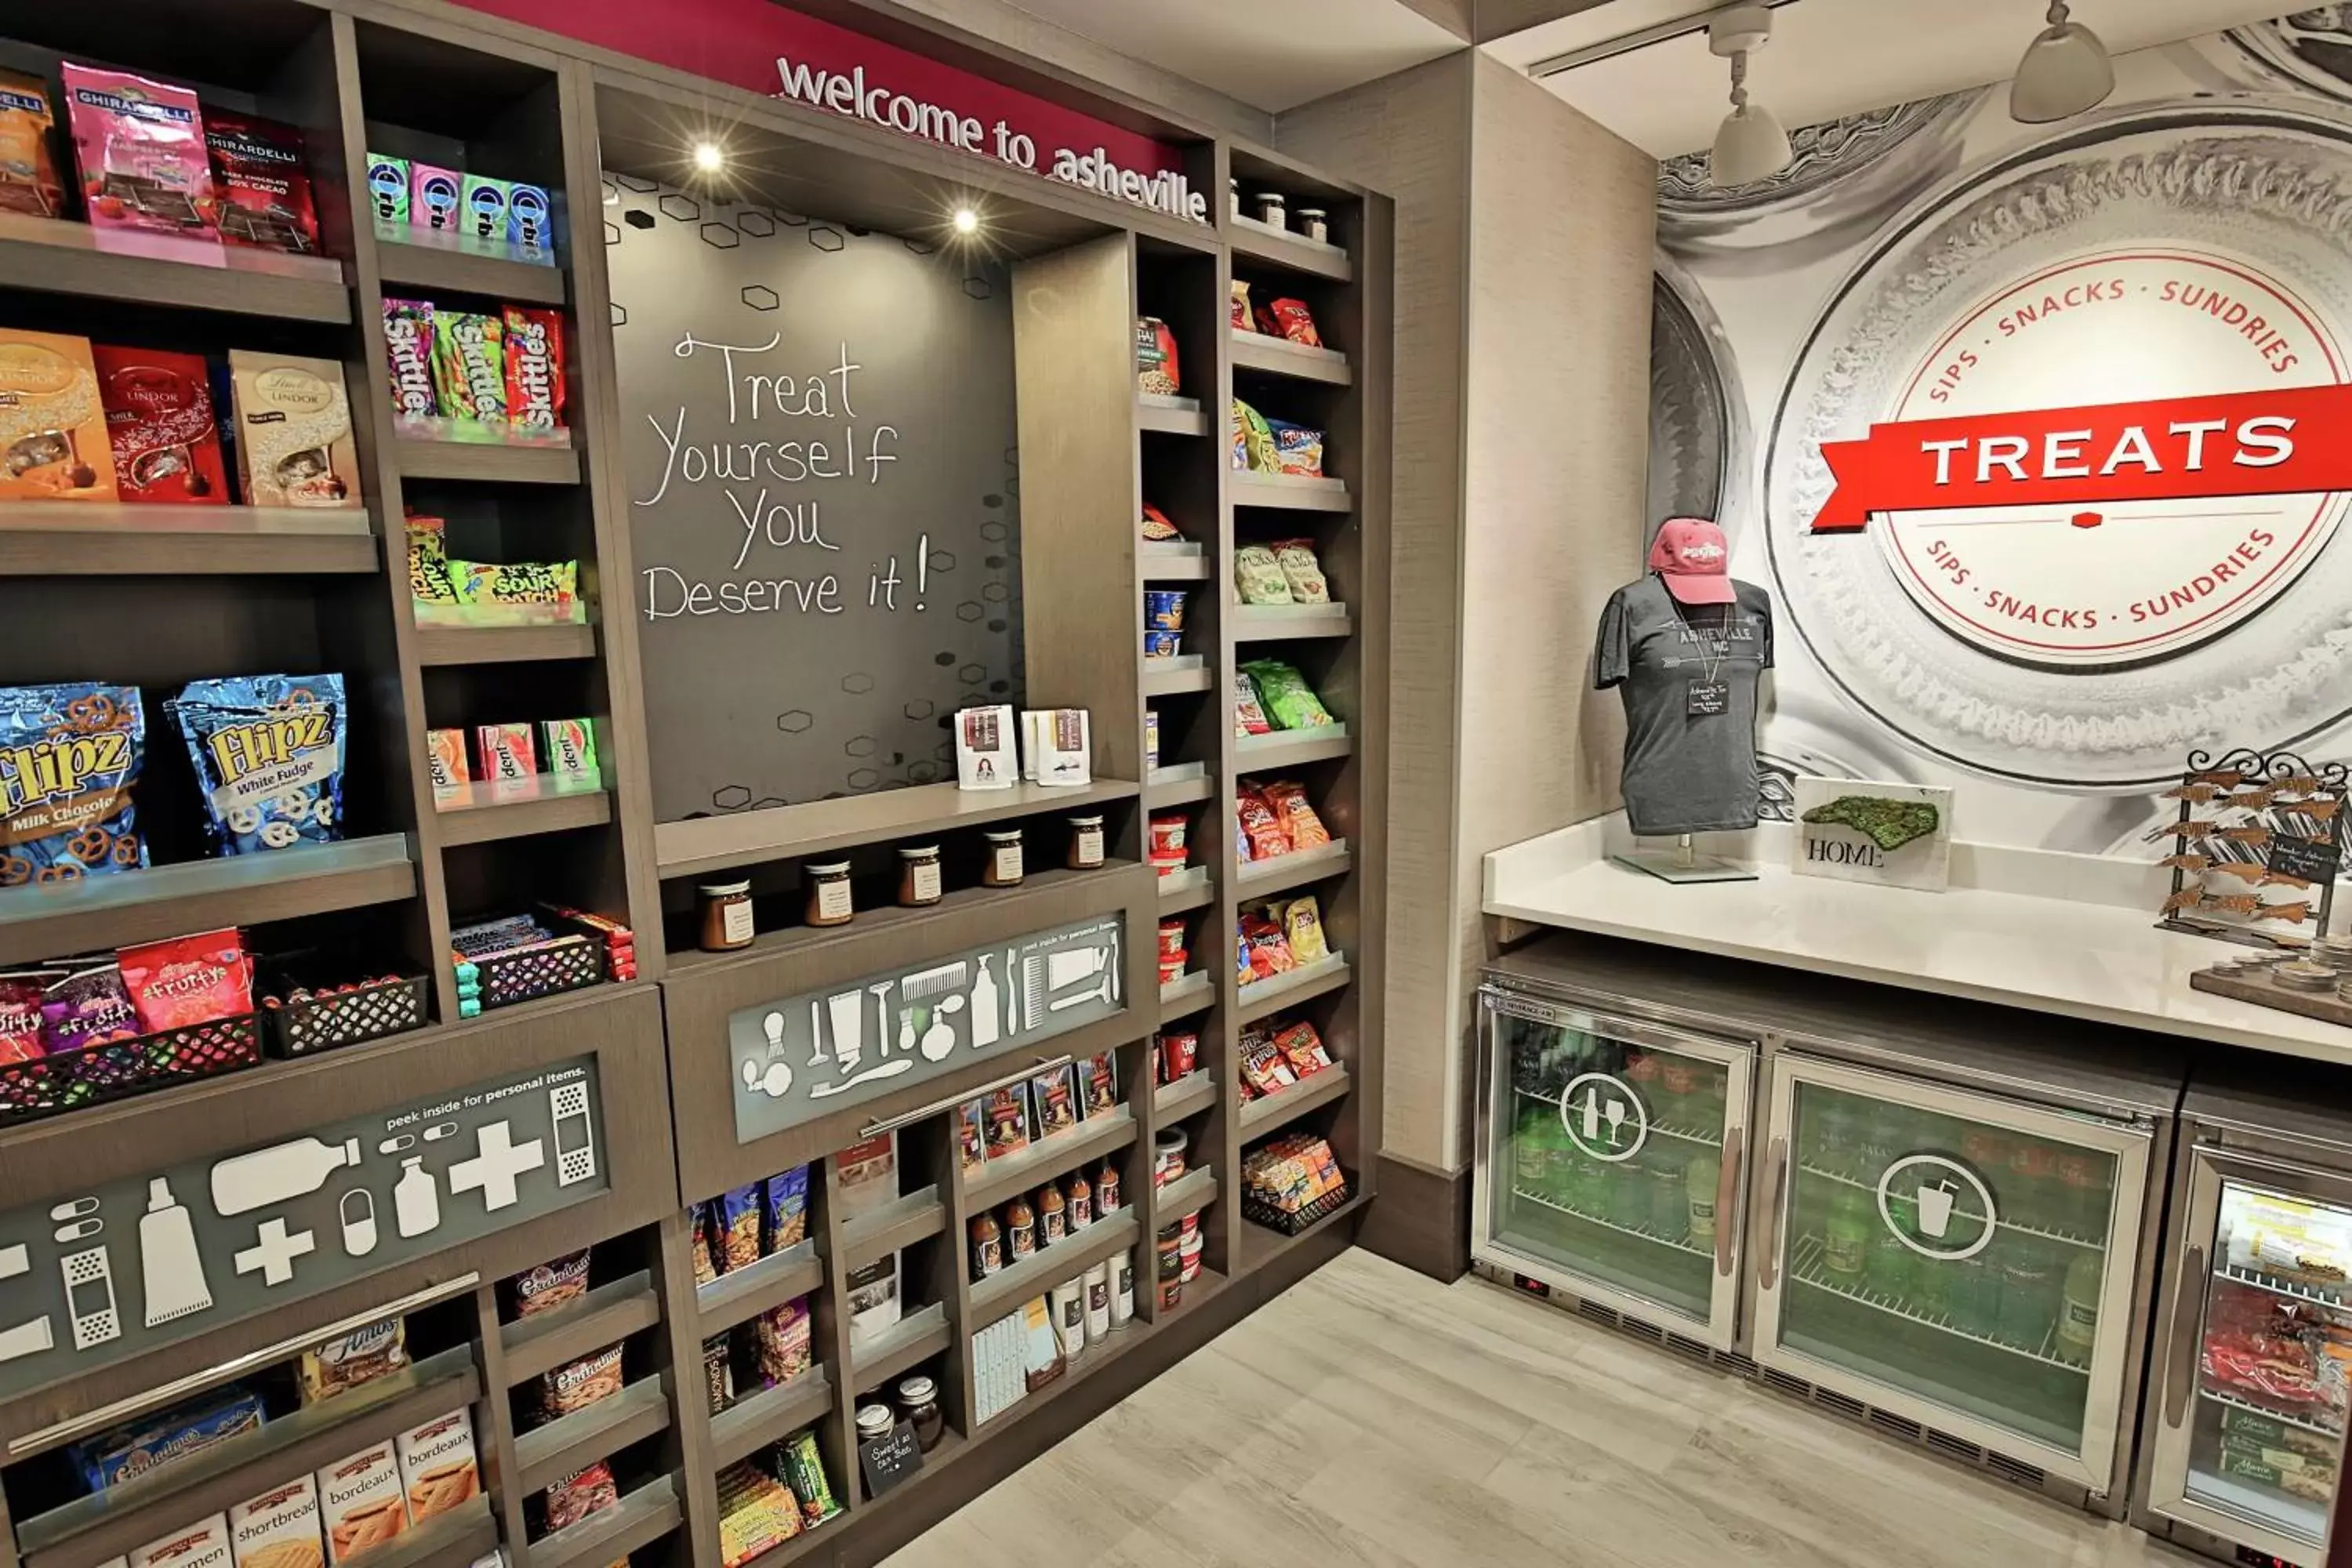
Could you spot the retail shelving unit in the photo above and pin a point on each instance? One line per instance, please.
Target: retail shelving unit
(235, 590)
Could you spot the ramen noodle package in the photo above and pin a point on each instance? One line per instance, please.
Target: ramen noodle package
(69, 757)
(269, 753)
(1297, 449)
(1296, 322)
(263, 188)
(160, 425)
(53, 444)
(1290, 701)
(1258, 576)
(469, 368)
(534, 368)
(1156, 369)
(29, 167)
(294, 431)
(139, 146)
(87, 1008)
(408, 358)
(1301, 571)
(188, 980)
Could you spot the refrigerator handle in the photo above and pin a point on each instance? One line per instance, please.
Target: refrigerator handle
(1776, 1179)
(1726, 1192)
(2183, 1370)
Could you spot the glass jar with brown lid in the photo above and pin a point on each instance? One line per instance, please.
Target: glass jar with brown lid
(919, 875)
(829, 902)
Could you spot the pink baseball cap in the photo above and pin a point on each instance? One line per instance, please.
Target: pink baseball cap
(1691, 558)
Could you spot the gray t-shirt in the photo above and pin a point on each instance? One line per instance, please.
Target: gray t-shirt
(1689, 675)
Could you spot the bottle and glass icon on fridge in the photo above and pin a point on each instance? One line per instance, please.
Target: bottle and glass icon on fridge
(1884, 1204)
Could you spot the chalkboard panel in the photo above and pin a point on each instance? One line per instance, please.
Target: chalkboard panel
(818, 434)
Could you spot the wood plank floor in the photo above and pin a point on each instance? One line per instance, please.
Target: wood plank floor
(1372, 1416)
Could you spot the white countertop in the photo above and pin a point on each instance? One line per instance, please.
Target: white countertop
(2071, 956)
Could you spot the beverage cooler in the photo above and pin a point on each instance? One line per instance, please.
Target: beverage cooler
(2245, 1411)
(1937, 1216)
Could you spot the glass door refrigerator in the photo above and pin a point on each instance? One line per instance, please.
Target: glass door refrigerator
(1614, 1161)
(2243, 1427)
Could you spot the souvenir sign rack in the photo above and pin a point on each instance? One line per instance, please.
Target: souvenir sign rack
(2255, 847)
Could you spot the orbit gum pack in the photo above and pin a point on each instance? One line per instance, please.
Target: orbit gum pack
(68, 756)
(269, 755)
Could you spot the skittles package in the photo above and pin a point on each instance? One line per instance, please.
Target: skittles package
(469, 366)
(534, 364)
(68, 756)
(269, 751)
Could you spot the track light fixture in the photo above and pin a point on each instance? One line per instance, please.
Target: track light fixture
(1750, 144)
(2065, 72)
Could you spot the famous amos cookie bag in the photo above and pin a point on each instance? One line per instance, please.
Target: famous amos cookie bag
(269, 751)
(68, 756)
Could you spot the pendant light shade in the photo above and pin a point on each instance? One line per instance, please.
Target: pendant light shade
(2065, 72)
(1750, 144)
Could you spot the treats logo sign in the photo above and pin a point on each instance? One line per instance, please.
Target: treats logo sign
(2031, 509)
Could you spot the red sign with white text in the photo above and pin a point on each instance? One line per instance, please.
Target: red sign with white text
(765, 48)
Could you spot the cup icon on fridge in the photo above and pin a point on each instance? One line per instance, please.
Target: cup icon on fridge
(1934, 1208)
(1949, 1212)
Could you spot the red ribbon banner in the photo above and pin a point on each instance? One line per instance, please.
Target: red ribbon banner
(2287, 442)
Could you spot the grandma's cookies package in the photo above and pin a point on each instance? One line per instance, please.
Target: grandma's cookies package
(68, 756)
(269, 753)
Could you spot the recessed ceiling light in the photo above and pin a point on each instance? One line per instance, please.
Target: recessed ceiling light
(709, 158)
(966, 221)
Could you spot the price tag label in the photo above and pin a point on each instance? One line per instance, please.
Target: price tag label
(2312, 859)
(890, 1461)
(1709, 699)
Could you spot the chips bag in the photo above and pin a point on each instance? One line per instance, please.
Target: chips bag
(1302, 922)
(20, 1012)
(1296, 322)
(1288, 698)
(1156, 369)
(1249, 714)
(188, 980)
(1258, 576)
(1253, 441)
(1288, 801)
(89, 1008)
(1302, 573)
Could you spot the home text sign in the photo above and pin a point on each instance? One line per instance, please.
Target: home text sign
(803, 1057)
(765, 48)
(130, 1266)
(818, 433)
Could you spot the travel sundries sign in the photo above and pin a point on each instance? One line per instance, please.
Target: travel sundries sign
(765, 48)
(2107, 532)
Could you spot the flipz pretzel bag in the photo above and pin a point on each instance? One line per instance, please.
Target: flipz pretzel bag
(269, 753)
(68, 756)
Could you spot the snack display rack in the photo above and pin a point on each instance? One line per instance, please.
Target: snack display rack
(233, 590)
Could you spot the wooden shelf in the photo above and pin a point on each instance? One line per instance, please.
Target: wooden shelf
(1182, 998)
(1012, 1174)
(1174, 682)
(1256, 878)
(1172, 421)
(487, 462)
(1188, 1096)
(915, 1217)
(1291, 748)
(124, 907)
(645, 1516)
(1191, 889)
(756, 1420)
(1301, 984)
(1006, 1290)
(1269, 1111)
(1179, 791)
(907, 1342)
(1277, 623)
(78, 539)
(57, 256)
(1164, 564)
(872, 924)
(739, 1297)
(503, 645)
(605, 1315)
(433, 269)
(1280, 356)
(703, 844)
(545, 1455)
(1193, 1191)
(1290, 492)
(481, 813)
(1279, 247)
(89, 1530)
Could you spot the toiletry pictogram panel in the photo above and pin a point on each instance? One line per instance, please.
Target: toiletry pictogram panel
(803, 1057)
(134, 1265)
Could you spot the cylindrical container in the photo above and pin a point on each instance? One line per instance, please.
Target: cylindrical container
(1315, 224)
(1122, 1288)
(1179, 1052)
(1086, 842)
(918, 1404)
(1068, 1301)
(724, 916)
(1162, 644)
(1106, 1188)
(828, 893)
(1272, 210)
(1151, 737)
(1097, 1301)
(1172, 1294)
(919, 875)
(1190, 1226)
(1082, 1202)
(1021, 1229)
(1172, 937)
(1190, 1254)
(1168, 834)
(987, 1246)
(1052, 1215)
(1166, 1155)
(874, 1421)
(1003, 867)
(1169, 1252)
(1233, 194)
(1164, 609)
